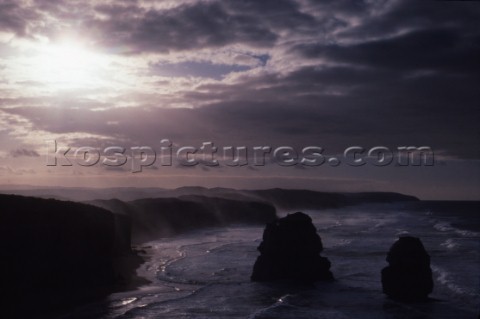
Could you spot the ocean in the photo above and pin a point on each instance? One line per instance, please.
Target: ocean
(206, 273)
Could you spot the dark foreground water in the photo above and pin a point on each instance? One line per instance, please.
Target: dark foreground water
(206, 274)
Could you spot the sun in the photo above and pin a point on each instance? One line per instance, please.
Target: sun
(68, 64)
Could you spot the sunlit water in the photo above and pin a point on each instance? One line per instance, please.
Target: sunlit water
(206, 274)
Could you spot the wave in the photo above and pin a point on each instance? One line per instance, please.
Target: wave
(445, 227)
(444, 278)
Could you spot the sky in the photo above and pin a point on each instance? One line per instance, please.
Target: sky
(243, 73)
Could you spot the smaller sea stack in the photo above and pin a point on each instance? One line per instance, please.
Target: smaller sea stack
(408, 276)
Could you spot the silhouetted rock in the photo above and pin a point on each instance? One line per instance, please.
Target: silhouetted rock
(55, 253)
(408, 276)
(291, 250)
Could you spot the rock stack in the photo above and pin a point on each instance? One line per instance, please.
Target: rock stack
(291, 250)
(408, 276)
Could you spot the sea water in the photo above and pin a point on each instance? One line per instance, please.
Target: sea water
(206, 273)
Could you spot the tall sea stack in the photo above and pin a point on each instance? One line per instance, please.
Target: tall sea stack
(290, 250)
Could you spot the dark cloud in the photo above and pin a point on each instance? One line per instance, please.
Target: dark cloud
(127, 27)
(436, 50)
(382, 19)
(186, 27)
(277, 14)
(200, 25)
(16, 18)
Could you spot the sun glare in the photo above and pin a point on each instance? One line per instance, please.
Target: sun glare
(69, 64)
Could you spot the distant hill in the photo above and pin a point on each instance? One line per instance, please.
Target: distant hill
(306, 199)
(282, 198)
